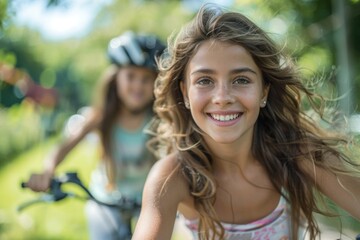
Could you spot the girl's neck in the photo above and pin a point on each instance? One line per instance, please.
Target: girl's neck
(131, 121)
(226, 156)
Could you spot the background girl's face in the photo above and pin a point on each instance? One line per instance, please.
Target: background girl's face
(225, 89)
(135, 87)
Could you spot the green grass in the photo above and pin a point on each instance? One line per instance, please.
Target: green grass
(62, 220)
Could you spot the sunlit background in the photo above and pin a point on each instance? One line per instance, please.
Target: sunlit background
(53, 51)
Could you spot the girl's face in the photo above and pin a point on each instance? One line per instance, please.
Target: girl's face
(135, 87)
(225, 89)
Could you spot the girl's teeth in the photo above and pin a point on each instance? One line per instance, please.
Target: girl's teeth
(224, 118)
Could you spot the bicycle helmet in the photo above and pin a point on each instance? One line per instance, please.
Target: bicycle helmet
(137, 50)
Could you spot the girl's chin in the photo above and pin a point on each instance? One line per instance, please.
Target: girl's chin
(136, 109)
(222, 139)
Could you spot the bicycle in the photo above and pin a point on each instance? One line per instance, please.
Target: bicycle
(126, 206)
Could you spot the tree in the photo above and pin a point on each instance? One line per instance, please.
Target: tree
(331, 28)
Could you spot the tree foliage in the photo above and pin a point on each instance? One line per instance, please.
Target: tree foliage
(331, 29)
(307, 28)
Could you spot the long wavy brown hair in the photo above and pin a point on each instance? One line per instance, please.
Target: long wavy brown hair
(284, 135)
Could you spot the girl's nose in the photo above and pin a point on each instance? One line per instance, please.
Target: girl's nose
(223, 95)
(138, 82)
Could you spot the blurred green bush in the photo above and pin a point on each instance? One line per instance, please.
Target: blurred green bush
(20, 128)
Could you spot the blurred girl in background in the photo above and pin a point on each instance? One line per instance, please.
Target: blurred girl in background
(125, 109)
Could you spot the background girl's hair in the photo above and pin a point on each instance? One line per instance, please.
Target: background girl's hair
(284, 136)
(108, 106)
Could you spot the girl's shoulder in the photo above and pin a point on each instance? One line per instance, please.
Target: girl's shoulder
(92, 117)
(166, 179)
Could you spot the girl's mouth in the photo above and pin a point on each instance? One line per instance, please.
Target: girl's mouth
(224, 117)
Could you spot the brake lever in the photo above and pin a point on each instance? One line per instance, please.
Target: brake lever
(55, 190)
(72, 177)
(43, 198)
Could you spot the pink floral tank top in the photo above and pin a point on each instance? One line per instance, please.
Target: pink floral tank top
(275, 226)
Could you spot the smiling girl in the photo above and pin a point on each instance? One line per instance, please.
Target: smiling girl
(244, 161)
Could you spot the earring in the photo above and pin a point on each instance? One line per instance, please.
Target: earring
(187, 104)
(263, 103)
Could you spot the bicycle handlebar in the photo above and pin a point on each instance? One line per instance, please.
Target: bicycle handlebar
(56, 193)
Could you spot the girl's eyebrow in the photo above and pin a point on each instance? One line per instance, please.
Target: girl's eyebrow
(236, 70)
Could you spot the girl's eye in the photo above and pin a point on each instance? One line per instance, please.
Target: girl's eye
(203, 81)
(241, 80)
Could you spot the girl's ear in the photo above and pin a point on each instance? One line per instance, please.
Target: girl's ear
(266, 91)
(184, 93)
(265, 95)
